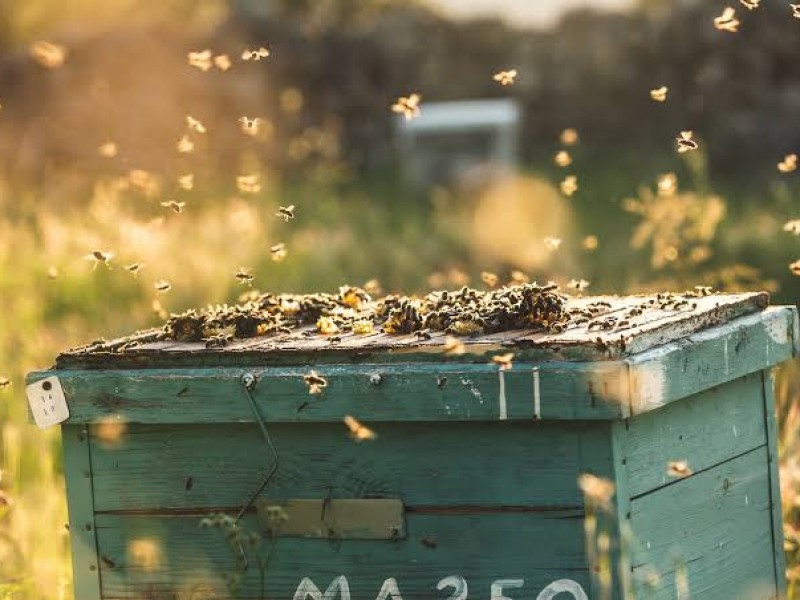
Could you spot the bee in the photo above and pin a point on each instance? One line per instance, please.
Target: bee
(107, 150)
(99, 256)
(174, 205)
(186, 182)
(590, 243)
(244, 276)
(52, 273)
(363, 327)
(578, 284)
(407, 106)
(195, 125)
(5, 382)
(667, 184)
(793, 226)
(201, 59)
(316, 383)
(453, 346)
(597, 490)
(185, 145)
(562, 159)
(552, 243)
(795, 10)
(795, 267)
(489, 279)
(278, 252)
(286, 212)
(255, 54)
(504, 360)
(162, 286)
(249, 126)
(48, 55)
(358, 431)
(134, 268)
(678, 468)
(727, 21)
(519, 277)
(219, 341)
(750, 4)
(569, 185)
(569, 137)
(685, 142)
(659, 94)
(248, 184)
(327, 326)
(789, 162)
(703, 290)
(373, 287)
(222, 62)
(422, 334)
(158, 310)
(506, 77)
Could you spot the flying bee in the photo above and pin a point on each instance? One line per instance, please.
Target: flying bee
(686, 142)
(504, 360)
(286, 212)
(244, 276)
(659, 94)
(793, 226)
(358, 431)
(795, 10)
(590, 243)
(519, 277)
(249, 126)
(407, 106)
(789, 162)
(107, 150)
(201, 60)
(248, 184)
(569, 185)
(255, 54)
(186, 182)
(750, 4)
(222, 62)
(50, 56)
(174, 205)
(578, 284)
(372, 287)
(195, 125)
(795, 267)
(162, 286)
(506, 77)
(552, 243)
(678, 468)
(134, 268)
(596, 489)
(489, 279)
(453, 346)
(667, 184)
(727, 21)
(316, 383)
(159, 310)
(569, 137)
(278, 252)
(5, 382)
(562, 159)
(99, 256)
(52, 273)
(185, 145)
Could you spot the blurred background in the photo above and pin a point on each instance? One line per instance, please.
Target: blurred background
(97, 153)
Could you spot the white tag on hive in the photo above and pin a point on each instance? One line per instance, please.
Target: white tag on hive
(47, 401)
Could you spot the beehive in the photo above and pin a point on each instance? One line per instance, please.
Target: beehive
(471, 486)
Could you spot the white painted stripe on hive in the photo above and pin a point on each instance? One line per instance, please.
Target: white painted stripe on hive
(537, 401)
(503, 405)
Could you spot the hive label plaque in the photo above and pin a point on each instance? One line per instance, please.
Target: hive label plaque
(47, 402)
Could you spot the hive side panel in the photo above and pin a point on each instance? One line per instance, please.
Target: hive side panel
(705, 429)
(171, 557)
(217, 467)
(708, 535)
(80, 505)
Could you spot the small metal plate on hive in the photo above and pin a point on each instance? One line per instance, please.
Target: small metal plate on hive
(372, 519)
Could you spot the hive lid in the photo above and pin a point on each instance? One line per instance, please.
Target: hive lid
(612, 333)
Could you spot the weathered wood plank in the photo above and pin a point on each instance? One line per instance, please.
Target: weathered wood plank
(703, 360)
(713, 528)
(466, 464)
(80, 498)
(705, 429)
(187, 561)
(410, 392)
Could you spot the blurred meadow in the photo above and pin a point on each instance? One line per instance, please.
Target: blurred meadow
(96, 147)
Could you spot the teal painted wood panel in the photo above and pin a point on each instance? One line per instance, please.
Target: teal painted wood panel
(716, 526)
(510, 464)
(704, 429)
(77, 472)
(712, 357)
(186, 561)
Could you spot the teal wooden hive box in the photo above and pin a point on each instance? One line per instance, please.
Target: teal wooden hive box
(473, 487)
